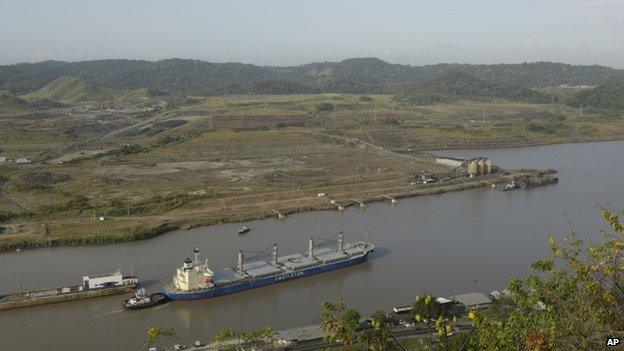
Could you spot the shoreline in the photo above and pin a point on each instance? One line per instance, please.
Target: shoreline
(141, 232)
(503, 146)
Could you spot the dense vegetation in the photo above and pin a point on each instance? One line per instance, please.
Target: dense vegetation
(363, 75)
(452, 85)
(609, 95)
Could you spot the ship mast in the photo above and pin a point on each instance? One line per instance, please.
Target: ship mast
(311, 248)
(240, 262)
(340, 242)
(196, 253)
(274, 258)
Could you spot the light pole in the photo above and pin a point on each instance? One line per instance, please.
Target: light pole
(19, 274)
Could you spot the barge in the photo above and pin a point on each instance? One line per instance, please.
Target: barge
(92, 286)
(196, 280)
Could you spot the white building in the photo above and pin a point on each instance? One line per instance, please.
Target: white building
(106, 281)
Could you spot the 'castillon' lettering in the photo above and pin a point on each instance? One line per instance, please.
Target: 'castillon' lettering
(288, 276)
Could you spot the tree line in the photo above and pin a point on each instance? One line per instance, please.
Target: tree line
(361, 75)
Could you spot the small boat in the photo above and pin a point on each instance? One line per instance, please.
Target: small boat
(141, 300)
(243, 230)
(402, 309)
(509, 186)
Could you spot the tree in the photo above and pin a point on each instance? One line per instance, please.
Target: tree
(325, 106)
(264, 335)
(426, 310)
(350, 322)
(331, 321)
(267, 335)
(224, 335)
(155, 333)
(574, 302)
(376, 336)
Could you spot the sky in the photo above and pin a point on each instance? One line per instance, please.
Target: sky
(291, 32)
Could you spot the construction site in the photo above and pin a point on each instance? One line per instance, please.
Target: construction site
(99, 175)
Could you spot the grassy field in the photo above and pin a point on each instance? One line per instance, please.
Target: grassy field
(212, 159)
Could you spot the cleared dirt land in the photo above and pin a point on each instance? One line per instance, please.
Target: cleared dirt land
(233, 158)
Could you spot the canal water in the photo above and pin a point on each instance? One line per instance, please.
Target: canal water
(449, 244)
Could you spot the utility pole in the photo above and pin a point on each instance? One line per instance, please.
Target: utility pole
(274, 186)
(19, 273)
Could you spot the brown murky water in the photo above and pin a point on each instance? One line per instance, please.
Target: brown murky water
(448, 244)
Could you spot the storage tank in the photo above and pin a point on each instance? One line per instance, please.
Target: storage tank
(473, 168)
(481, 166)
(488, 166)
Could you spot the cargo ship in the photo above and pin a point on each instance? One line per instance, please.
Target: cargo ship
(92, 286)
(196, 280)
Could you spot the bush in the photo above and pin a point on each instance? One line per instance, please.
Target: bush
(152, 205)
(39, 180)
(545, 127)
(166, 140)
(78, 202)
(128, 150)
(325, 106)
(3, 176)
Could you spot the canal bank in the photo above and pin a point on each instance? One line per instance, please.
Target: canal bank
(473, 240)
(339, 198)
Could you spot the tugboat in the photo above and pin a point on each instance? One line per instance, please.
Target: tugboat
(140, 300)
(243, 230)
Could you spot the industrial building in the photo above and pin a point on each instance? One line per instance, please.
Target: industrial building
(471, 167)
(107, 281)
(471, 301)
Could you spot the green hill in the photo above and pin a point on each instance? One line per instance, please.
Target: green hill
(458, 85)
(72, 89)
(14, 104)
(358, 75)
(139, 96)
(609, 95)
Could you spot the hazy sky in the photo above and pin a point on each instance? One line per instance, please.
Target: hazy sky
(287, 32)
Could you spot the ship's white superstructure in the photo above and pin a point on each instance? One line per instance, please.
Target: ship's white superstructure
(193, 275)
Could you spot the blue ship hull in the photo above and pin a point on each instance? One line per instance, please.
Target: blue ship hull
(259, 282)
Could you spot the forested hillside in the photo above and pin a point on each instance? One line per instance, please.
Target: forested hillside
(452, 85)
(362, 75)
(609, 95)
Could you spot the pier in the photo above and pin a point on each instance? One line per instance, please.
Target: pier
(279, 214)
(392, 200)
(339, 206)
(360, 203)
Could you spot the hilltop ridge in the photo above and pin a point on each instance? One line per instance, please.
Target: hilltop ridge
(356, 75)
